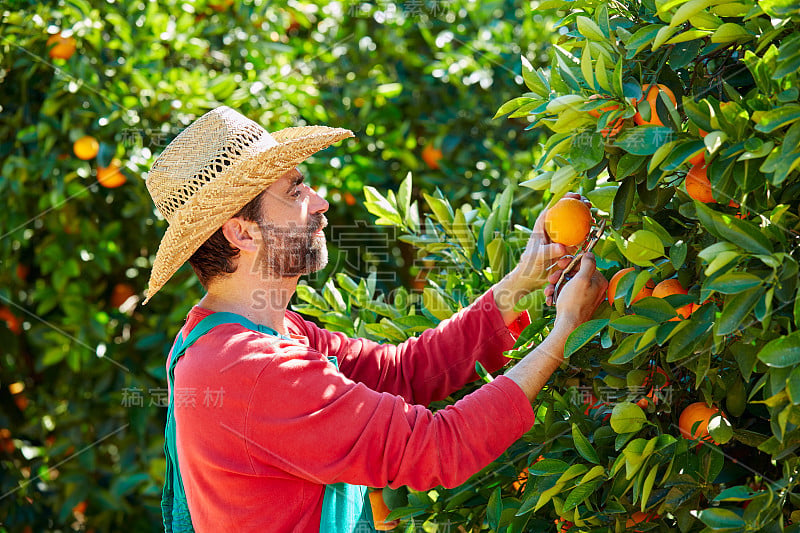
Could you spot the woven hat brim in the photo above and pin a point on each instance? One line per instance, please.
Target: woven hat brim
(217, 201)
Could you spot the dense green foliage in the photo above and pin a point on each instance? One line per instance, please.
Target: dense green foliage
(621, 462)
(81, 373)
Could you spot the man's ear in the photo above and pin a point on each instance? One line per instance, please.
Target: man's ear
(241, 234)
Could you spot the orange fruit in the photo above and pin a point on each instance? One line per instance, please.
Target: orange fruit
(6, 443)
(80, 507)
(12, 322)
(86, 147)
(23, 271)
(693, 413)
(650, 96)
(616, 126)
(565, 526)
(673, 286)
(568, 222)
(120, 294)
(698, 185)
(380, 511)
(703, 132)
(111, 176)
(431, 156)
(638, 517)
(647, 290)
(349, 199)
(522, 479)
(62, 47)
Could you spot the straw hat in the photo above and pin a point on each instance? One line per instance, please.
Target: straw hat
(211, 170)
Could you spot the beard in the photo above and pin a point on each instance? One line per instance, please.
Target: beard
(293, 250)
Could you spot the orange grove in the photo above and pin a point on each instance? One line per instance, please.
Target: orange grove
(568, 222)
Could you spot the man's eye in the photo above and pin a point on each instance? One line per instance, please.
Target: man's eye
(296, 193)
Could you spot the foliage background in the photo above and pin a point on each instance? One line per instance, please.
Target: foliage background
(77, 451)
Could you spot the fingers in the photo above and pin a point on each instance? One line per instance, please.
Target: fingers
(588, 267)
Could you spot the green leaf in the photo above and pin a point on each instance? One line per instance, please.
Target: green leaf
(721, 518)
(642, 247)
(632, 323)
(782, 352)
(623, 202)
(730, 32)
(740, 493)
(647, 487)
(778, 118)
(736, 309)
(720, 429)
(494, 508)
(627, 417)
(579, 494)
(548, 466)
(733, 282)
(681, 343)
(729, 228)
(513, 105)
(583, 447)
(582, 335)
(644, 140)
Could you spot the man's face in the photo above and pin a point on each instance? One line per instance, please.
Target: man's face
(292, 218)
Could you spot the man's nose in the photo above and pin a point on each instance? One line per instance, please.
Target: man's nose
(317, 203)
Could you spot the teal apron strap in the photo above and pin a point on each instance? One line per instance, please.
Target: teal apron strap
(174, 507)
(344, 507)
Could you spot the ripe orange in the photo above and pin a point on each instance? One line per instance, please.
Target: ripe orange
(64, 46)
(12, 322)
(616, 126)
(522, 479)
(673, 286)
(698, 185)
(651, 95)
(565, 526)
(23, 271)
(647, 290)
(80, 507)
(693, 413)
(6, 443)
(638, 517)
(568, 222)
(349, 199)
(111, 176)
(86, 147)
(120, 294)
(380, 511)
(431, 156)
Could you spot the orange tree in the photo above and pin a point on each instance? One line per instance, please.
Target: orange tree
(677, 412)
(88, 82)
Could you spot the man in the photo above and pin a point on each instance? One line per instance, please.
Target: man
(309, 418)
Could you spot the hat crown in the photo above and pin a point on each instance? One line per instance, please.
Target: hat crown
(200, 154)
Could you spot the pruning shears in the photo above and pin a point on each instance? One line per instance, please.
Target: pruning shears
(566, 274)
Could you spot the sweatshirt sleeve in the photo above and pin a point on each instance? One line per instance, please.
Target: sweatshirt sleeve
(429, 367)
(307, 419)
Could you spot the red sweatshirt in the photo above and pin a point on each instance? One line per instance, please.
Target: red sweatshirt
(263, 423)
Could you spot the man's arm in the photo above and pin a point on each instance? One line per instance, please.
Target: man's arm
(576, 304)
